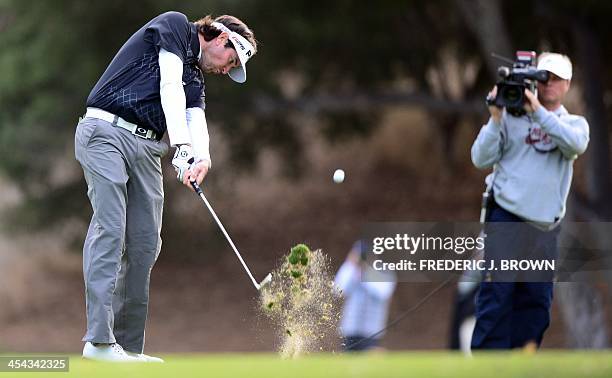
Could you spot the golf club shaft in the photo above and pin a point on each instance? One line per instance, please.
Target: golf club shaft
(199, 191)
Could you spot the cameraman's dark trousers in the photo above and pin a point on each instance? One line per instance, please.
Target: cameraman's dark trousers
(511, 313)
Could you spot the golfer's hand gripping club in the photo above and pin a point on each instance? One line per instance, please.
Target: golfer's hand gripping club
(197, 188)
(257, 285)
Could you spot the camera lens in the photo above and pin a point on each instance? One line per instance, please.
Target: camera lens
(512, 95)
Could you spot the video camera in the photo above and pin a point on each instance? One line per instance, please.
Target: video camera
(511, 88)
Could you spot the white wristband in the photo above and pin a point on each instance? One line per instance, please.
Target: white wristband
(198, 130)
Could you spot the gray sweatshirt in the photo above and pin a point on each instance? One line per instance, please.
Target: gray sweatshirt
(533, 158)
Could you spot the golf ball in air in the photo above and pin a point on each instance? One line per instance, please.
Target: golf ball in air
(338, 176)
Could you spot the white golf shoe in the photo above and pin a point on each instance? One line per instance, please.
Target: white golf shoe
(107, 352)
(144, 357)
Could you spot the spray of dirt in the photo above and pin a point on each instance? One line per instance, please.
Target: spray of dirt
(302, 303)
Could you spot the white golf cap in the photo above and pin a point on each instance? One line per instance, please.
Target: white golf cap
(558, 64)
(244, 49)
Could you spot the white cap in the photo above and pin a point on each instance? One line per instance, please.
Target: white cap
(244, 49)
(558, 64)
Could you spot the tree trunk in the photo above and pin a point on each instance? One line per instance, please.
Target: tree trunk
(589, 59)
(584, 315)
(581, 303)
(485, 19)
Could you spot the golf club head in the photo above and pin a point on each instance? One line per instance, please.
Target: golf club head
(265, 281)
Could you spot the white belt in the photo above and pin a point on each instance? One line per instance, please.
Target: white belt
(115, 120)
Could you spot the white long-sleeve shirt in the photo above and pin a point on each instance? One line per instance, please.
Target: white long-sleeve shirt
(184, 126)
(366, 304)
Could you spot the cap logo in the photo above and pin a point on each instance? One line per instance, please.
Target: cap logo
(238, 42)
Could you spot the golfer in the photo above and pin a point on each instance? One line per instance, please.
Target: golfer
(153, 85)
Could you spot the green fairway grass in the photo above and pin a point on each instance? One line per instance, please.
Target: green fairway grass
(387, 365)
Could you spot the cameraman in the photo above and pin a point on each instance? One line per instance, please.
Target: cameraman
(532, 156)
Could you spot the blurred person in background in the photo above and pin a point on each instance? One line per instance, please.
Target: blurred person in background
(463, 318)
(532, 156)
(153, 85)
(366, 304)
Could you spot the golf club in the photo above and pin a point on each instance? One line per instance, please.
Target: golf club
(268, 278)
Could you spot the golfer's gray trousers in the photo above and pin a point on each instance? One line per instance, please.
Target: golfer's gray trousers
(124, 185)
